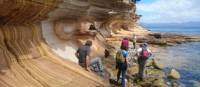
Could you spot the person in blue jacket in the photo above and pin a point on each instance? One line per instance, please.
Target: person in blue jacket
(122, 66)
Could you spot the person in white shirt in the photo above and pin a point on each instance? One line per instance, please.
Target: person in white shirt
(143, 53)
(134, 41)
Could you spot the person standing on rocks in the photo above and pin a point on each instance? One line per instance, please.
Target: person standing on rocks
(134, 41)
(122, 64)
(143, 53)
(83, 54)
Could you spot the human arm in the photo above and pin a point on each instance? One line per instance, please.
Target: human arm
(126, 61)
(125, 55)
(150, 53)
(87, 63)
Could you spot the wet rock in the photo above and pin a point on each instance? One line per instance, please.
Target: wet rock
(156, 35)
(171, 44)
(147, 84)
(174, 74)
(149, 63)
(169, 39)
(196, 83)
(174, 84)
(179, 42)
(157, 65)
(154, 73)
(151, 82)
(161, 42)
(159, 83)
(141, 40)
(168, 83)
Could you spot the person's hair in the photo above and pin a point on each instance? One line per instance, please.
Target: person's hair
(141, 45)
(125, 38)
(145, 44)
(88, 43)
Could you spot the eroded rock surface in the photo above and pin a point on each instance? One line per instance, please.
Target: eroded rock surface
(36, 34)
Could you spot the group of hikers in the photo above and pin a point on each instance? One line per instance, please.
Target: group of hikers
(142, 53)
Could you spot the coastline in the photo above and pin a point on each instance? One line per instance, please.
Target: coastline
(156, 40)
(184, 58)
(174, 41)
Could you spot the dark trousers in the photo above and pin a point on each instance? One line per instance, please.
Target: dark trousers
(134, 45)
(122, 67)
(141, 67)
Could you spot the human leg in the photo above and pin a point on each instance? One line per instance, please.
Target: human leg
(134, 45)
(124, 76)
(140, 68)
(98, 62)
(142, 63)
(118, 74)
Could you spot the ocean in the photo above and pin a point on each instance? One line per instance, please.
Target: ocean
(183, 57)
(186, 31)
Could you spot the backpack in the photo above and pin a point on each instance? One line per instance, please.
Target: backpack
(145, 54)
(119, 57)
(125, 44)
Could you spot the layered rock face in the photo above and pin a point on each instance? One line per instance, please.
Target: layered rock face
(25, 11)
(70, 23)
(35, 36)
(27, 61)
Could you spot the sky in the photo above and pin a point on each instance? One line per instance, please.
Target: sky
(169, 11)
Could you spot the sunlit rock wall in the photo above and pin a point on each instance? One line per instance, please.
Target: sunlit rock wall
(67, 27)
(26, 59)
(38, 37)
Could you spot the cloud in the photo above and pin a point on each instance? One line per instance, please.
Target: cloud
(166, 11)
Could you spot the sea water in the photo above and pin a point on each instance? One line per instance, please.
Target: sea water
(183, 57)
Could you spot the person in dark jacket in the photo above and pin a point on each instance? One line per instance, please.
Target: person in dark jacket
(84, 60)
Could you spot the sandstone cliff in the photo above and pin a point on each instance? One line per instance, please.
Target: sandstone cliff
(35, 36)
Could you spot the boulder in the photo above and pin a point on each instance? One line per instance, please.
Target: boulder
(157, 65)
(175, 84)
(149, 63)
(159, 83)
(110, 73)
(174, 74)
(156, 35)
(132, 70)
(171, 44)
(196, 83)
(161, 42)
